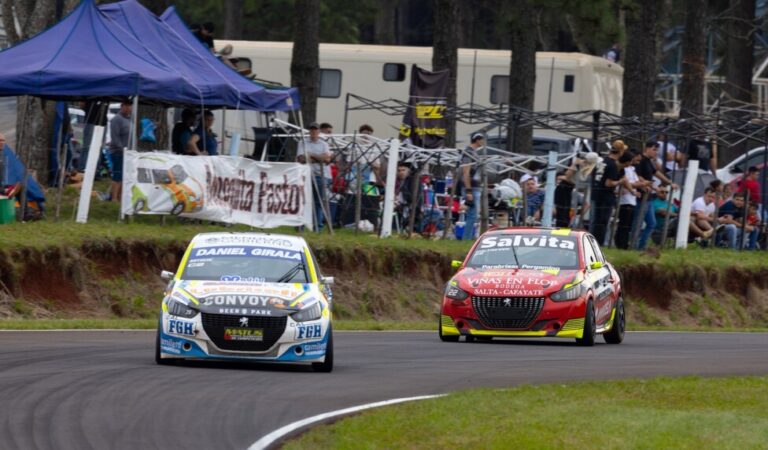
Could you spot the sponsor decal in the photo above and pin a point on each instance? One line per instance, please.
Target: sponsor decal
(237, 278)
(308, 331)
(526, 241)
(211, 287)
(260, 240)
(493, 292)
(170, 345)
(246, 251)
(182, 327)
(248, 311)
(315, 349)
(243, 334)
(510, 282)
(236, 300)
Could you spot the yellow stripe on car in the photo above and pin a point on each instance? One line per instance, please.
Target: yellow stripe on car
(311, 264)
(507, 333)
(183, 262)
(447, 326)
(573, 328)
(561, 232)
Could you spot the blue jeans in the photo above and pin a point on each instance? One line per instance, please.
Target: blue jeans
(322, 187)
(649, 218)
(730, 235)
(471, 215)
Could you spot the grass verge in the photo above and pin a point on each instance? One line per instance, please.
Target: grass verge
(680, 413)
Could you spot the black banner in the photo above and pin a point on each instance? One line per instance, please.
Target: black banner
(424, 122)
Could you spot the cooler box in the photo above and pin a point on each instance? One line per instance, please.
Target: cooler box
(7, 210)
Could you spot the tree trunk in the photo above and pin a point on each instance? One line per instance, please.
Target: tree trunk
(522, 73)
(640, 60)
(385, 22)
(34, 117)
(305, 59)
(739, 62)
(694, 55)
(233, 19)
(445, 54)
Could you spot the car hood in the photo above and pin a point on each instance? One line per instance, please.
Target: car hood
(513, 282)
(255, 299)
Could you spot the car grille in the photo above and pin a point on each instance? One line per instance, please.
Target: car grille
(497, 312)
(215, 324)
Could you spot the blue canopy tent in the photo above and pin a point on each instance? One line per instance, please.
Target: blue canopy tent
(286, 99)
(181, 50)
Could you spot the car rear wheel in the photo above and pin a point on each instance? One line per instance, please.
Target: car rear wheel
(327, 365)
(616, 334)
(588, 336)
(442, 336)
(158, 357)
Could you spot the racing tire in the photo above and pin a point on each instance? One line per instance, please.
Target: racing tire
(139, 205)
(158, 358)
(327, 365)
(177, 209)
(440, 333)
(590, 328)
(616, 334)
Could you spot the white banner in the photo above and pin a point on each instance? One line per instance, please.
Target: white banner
(221, 188)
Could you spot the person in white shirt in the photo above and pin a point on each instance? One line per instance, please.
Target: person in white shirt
(628, 194)
(316, 152)
(673, 158)
(703, 214)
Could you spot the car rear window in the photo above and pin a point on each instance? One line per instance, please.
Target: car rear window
(525, 251)
(246, 264)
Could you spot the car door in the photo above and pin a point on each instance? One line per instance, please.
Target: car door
(599, 275)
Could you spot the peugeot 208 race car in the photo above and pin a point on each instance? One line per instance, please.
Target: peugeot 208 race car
(247, 296)
(526, 282)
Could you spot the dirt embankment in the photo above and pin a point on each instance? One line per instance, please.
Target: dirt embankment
(121, 279)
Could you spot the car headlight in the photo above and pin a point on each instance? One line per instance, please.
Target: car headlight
(567, 294)
(455, 293)
(311, 312)
(178, 308)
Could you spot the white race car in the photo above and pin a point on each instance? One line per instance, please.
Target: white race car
(247, 296)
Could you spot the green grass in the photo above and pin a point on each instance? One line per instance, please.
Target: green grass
(682, 413)
(77, 324)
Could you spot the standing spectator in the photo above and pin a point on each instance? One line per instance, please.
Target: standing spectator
(326, 128)
(182, 132)
(669, 156)
(534, 199)
(203, 140)
(204, 33)
(471, 178)
(628, 194)
(703, 214)
(613, 54)
(316, 152)
(731, 214)
(705, 153)
(120, 134)
(750, 183)
(604, 192)
(404, 194)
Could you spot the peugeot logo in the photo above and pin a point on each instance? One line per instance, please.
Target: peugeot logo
(243, 321)
(507, 302)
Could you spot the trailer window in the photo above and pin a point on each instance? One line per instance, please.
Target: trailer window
(499, 89)
(394, 72)
(330, 83)
(568, 83)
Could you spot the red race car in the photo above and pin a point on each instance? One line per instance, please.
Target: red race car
(534, 282)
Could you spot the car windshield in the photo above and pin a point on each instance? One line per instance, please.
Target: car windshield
(246, 264)
(525, 251)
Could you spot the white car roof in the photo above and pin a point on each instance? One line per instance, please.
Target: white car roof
(280, 241)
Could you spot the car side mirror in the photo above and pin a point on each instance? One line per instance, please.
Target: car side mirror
(455, 264)
(596, 265)
(326, 280)
(166, 275)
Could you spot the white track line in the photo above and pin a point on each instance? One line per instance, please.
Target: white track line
(280, 433)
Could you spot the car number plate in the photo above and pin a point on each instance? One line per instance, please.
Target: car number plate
(243, 334)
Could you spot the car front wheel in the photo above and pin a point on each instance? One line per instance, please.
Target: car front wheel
(588, 335)
(616, 334)
(327, 365)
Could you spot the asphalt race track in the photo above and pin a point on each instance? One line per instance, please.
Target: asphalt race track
(102, 389)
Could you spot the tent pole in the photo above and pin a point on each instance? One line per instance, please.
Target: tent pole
(224, 129)
(134, 142)
(202, 127)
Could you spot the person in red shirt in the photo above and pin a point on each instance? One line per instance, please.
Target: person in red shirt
(751, 184)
